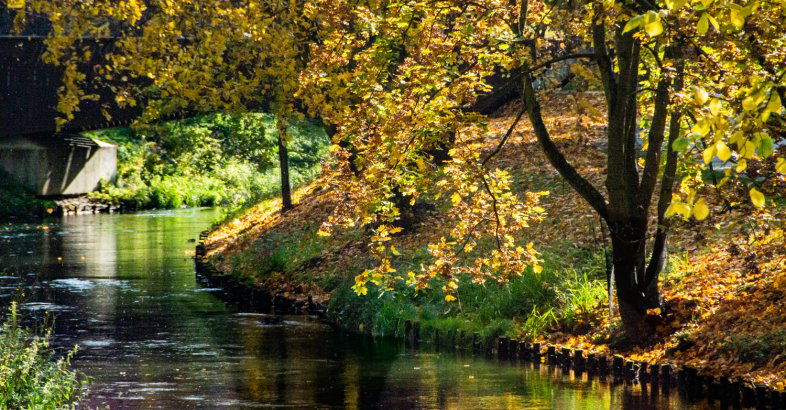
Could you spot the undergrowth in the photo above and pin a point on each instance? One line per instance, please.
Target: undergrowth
(31, 374)
(16, 201)
(217, 159)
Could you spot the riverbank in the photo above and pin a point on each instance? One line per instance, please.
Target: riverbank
(725, 285)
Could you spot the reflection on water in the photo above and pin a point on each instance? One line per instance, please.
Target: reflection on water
(123, 288)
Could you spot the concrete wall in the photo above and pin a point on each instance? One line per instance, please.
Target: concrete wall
(58, 169)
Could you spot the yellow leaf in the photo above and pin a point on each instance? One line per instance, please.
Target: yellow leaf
(700, 210)
(678, 208)
(455, 198)
(450, 298)
(15, 4)
(394, 250)
(737, 16)
(654, 29)
(700, 95)
(703, 24)
(780, 166)
(708, 154)
(757, 198)
(537, 268)
(723, 151)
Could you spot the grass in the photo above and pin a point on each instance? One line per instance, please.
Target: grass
(31, 374)
(758, 349)
(561, 297)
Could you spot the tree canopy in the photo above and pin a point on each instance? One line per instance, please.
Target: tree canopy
(689, 85)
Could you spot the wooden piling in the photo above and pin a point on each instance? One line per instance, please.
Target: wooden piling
(551, 354)
(578, 359)
(565, 357)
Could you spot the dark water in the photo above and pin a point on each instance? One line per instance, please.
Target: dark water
(122, 287)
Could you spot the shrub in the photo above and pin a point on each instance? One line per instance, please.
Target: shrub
(31, 375)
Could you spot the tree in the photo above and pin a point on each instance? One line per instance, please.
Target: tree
(684, 83)
(179, 57)
(644, 75)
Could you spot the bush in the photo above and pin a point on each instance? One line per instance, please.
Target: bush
(31, 376)
(217, 159)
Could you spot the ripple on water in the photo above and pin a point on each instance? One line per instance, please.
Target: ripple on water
(97, 343)
(84, 285)
(72, 284)
(48, 307)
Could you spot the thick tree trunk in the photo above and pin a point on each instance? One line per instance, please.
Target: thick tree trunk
(283, 164)
(631, 297)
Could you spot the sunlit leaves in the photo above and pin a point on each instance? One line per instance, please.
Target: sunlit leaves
(780, 165)
(700, 210)
(757, 198)
(650, 21)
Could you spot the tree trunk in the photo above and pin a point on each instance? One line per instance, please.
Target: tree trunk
(631, 298)
(283, 164)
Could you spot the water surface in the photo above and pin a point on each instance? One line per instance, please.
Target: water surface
(122, 287)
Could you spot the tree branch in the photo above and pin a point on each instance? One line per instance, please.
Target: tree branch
(603, 60)
(554, 155)
(654, 146)
(562, 58)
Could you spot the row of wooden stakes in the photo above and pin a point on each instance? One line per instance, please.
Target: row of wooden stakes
(687, 380)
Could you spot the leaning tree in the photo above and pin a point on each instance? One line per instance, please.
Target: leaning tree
(684, 83)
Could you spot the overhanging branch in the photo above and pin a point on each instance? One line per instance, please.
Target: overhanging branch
(553, 153)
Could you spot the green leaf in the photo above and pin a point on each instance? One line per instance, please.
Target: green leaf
(680, 144)
(634, 23)
(766, 146)
(703, 25)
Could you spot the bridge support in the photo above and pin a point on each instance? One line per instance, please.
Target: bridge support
(57, 167)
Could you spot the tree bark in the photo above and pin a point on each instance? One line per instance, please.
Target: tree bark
(283, 164)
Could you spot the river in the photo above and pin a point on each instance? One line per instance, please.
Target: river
(122, 287)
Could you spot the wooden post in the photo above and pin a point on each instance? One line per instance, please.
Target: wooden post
(748, 396)
(551, 354)
(536, 352)
(665, 378)
(761, 397)
(436, 339)
(502, 346)
(416, 333)
(513, 349)
(617, 364)
(565, 358)
(654, 373)
(524, 351)
(603, 365)
(475, 342)
(578, 359)
(461, 340)
(630, 369)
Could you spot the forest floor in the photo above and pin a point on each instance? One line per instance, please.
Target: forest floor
(724, 286)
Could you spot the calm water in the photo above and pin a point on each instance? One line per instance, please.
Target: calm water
(122, 287)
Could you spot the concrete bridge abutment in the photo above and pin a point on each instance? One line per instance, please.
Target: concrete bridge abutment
(58, 167)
